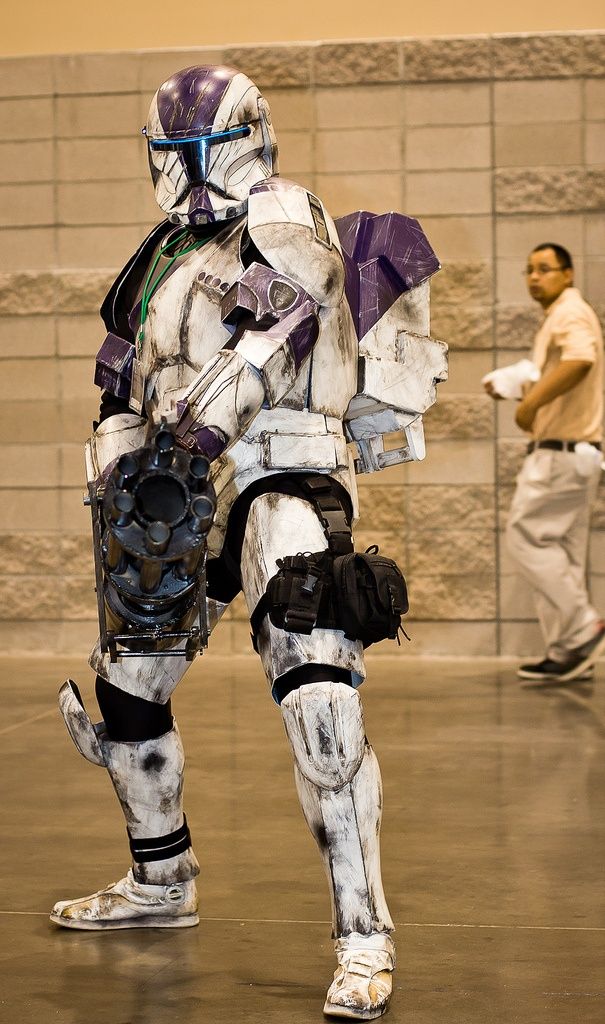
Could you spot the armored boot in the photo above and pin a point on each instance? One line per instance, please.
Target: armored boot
(339, 786)
(159, 890)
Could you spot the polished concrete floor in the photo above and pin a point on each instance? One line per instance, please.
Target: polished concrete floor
(493, 853)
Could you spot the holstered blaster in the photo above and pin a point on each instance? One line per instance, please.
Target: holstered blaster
(150, 521)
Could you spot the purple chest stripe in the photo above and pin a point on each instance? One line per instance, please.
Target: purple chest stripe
(303, 333)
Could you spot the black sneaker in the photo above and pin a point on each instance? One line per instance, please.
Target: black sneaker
(584, 656)
(548, 672)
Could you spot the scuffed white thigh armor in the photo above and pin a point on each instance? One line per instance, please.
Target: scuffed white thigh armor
(339, 786)
(280, 525)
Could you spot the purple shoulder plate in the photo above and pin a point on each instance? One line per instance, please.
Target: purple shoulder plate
(385, 255)
(113, 370)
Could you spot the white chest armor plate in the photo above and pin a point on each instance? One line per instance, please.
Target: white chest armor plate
(183, 331)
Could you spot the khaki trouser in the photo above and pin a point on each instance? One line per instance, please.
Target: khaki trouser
(547, 536)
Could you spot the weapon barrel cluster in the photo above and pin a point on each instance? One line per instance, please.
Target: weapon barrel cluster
(157, 510)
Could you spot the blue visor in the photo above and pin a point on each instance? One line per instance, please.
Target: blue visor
(195, 151)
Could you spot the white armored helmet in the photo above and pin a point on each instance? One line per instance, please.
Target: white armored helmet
(210, 139)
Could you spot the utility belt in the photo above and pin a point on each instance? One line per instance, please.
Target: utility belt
(364, 595)
(559, 446)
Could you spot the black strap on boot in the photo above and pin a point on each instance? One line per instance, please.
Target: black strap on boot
(161, 847)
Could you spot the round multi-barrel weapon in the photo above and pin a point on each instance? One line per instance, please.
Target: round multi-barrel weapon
(150, 524)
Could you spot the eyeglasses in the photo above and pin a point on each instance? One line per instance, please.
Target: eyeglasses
(541, 270)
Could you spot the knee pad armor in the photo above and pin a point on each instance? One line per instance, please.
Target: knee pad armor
(324, 723)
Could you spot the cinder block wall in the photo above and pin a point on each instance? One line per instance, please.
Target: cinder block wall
(494, 143)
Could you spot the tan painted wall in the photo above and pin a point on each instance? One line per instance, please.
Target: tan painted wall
(494, 144)
(66, 27)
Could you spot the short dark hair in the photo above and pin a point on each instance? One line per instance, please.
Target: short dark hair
(562, 254)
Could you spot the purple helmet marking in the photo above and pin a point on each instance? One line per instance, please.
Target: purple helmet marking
(385, 256)
(199, 202)
(190, 98)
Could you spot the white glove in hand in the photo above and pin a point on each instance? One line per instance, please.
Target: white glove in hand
(508, 381)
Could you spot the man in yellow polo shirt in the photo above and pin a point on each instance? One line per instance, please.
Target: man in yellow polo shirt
(548, 526)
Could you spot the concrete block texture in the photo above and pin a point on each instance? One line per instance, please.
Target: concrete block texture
(30, 465)
(26, 205)
(543, 144)
(534, 56)
(448, 147)
(460, 238)
(98, 246)
(95, 73)
(467, 327)
(342, 193)
(516, 236)
(155, 66)
(462, 506)
(594, 99)
(23, 336)
(95, 160)
(26, 247)
(30, 419)
(27, 161)
(291, 109)
(24, 119)
(272, 65)
(494, 143)
(454, 103)
(448, 192)
(515, 327)
(467, 596)
(594, 152)
(369, 106)
(594, 55)
(103, 203)
(465, 370)
(353, 63)
(97, 116)
(447, 60)
(359, 150)
(26, 76)
(460, 417)
(537, 190)
(521, 102)
(456, 557)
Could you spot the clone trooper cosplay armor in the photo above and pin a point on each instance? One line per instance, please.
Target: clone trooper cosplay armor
(268, 340)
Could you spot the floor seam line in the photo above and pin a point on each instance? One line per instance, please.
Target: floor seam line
(401, 924)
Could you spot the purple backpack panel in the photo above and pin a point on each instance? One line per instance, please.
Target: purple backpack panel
(385, 255)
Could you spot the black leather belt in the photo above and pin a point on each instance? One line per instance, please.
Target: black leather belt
(558, 446)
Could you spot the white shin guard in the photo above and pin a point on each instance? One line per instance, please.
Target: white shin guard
(148, 779)
(339, 786)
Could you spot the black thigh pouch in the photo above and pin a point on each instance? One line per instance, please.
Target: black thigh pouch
(364, 595)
